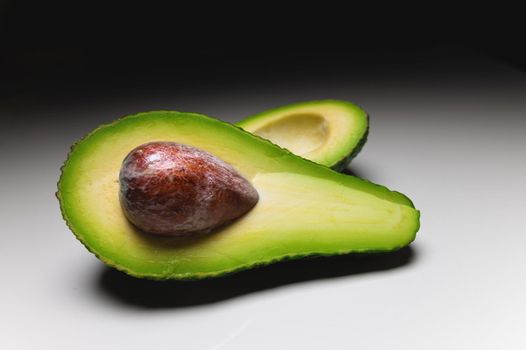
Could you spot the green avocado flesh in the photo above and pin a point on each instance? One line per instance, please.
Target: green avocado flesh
(328, 132)
(304, 208)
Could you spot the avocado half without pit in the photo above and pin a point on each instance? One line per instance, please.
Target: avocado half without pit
(328, 132)
(289, 207)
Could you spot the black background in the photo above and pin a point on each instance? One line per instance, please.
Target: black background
(56, 50)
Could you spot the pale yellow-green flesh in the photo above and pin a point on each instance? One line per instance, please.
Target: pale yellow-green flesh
(322, 131)
(303, 208)
(302, 134)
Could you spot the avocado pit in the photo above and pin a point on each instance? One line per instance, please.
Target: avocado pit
(172, 189)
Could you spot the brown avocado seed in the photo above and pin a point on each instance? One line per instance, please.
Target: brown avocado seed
(173, 189)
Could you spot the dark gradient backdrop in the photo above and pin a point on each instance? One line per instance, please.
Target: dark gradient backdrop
(447, 128)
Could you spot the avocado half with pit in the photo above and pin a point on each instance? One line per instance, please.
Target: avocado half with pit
(304, 208)
(328, 132)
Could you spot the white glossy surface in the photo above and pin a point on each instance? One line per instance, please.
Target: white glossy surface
(454, 143)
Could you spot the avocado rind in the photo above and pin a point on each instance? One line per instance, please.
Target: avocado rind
(342, 165)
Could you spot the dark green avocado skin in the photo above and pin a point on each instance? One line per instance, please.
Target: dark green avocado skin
(343, 165)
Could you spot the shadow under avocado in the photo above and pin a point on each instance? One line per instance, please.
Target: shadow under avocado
(173, 294)
(354, 171)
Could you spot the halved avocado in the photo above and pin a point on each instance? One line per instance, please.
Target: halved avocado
(328, 132)
(304, 208)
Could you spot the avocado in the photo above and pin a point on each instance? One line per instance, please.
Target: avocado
(328, 132)
(304, 208)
